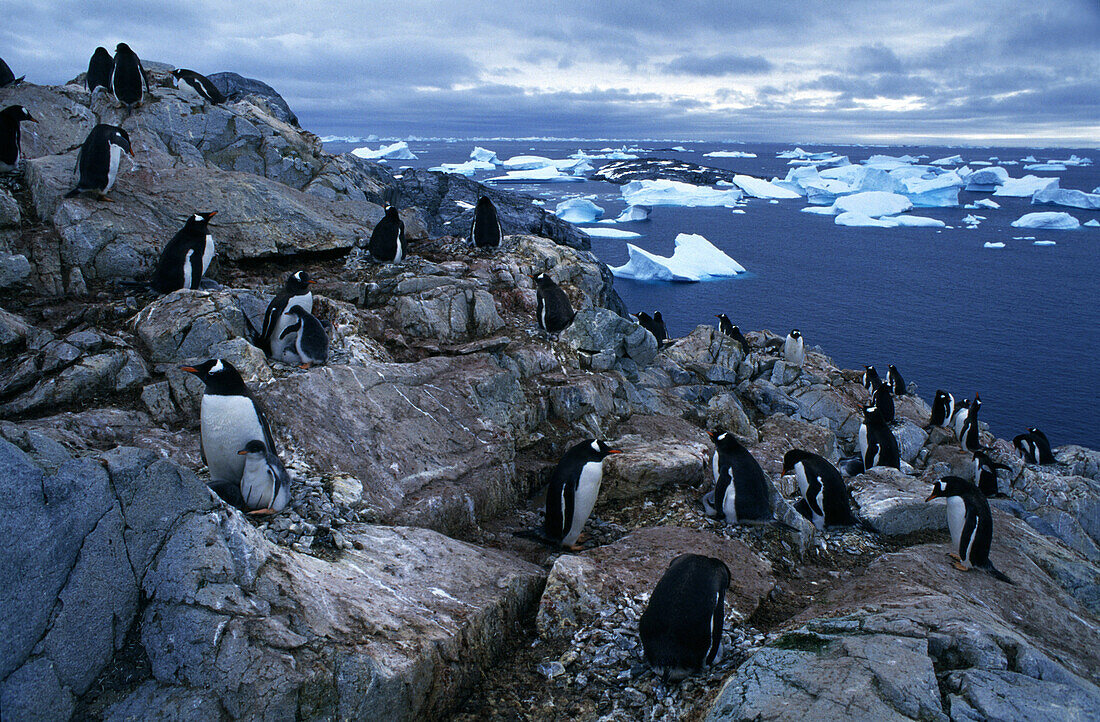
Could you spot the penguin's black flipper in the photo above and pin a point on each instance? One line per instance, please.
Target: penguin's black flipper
(997, 574)
(254, 337)
(803, 508)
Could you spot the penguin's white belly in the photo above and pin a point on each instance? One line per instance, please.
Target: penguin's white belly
(257, 485)
(729, 502)
(714, 466)
(112, 171)
(187, 269)
(588, 488)
(956, 520)
(228, 423)
(863, 442)
(207, 254)
(794, 352)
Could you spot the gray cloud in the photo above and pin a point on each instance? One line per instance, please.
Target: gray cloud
(716, 65)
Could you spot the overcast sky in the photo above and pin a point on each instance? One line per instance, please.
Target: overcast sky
(960, 71)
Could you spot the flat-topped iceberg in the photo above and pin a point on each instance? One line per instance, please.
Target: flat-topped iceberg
(1046, 166)
(695, 259)
(942, 191)
(548, 174)
(1056, 196)
(1045, 243)
(536, 162)
(993, 244)
(1023, 187)
(484, 155)
(396, 151)
(663, 192)
(983, 203)
(578, 210)
(917, 221)
(633, 213)
(605, 232)
(873, 204)
(606, 154)
(467, 169)
(1051, 220)
(760, 188)
(853, 218)
(728, 154)
(949, 160)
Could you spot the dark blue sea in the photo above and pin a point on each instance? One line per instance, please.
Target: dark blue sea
(1020, 325)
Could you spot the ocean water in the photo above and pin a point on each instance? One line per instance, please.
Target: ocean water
(1020, 325)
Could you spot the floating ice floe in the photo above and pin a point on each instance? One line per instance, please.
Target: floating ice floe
(941, 191)
(1092, 224)
(1056, 196)
(760, 188)
(663, 192)
(986, 179)
(742, 210)
(604, 232)
(890, 162)
(852, 218)
(396, 151)
(605, 154)
(467, 169)
(820, 210)
(694, 259)
(484, 155)
(728, 154)
(681, 149)
(972, 220)
(578, 210)
(992, 244)
(873, 204)
(1045, 166)
(548, 174)
(1045, 243)
(949, 160)
(1074, 160)
(536, 162)
(917, 221)
(983, 203)
(633, 213)
(1050, 219)
(1026, 186)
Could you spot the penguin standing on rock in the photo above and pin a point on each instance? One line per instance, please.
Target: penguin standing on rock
(822, 489)
(100, 68)
(645, 321)
(7, 77)
(897, 383)
(485, 230)
(183, 262)
(229, 417)
(100, 156)
(310, 340)
(278, 315)
(199, 84)
(553, 310)
(794, 349)
(387, 240)
(727, 327)
(1034, 447)
(10, 135)
(871, 379)
(884, 401)
(970, 523)
(966, 426)
(681, 627)
(660, 331)
(740, 487)
(985, 473)
(877, 444)
(128, 81)
(573, 489)
(265, 485)
(943, 407)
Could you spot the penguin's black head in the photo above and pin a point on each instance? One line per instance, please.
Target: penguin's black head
(796, 334)
(391, 212)
(598, 450)
(199, 220)
(871, 414)
(122, 48)
(297, 311)
(298, 282)
(792, 457)
(220, 376)
(736, 329)
(121, 138)
(977, 402)
(17, 113)
(657, 316)
(948, 486)
(484, 201)
(892, 367)
(543, 279)
(724, 440)
(253, 447)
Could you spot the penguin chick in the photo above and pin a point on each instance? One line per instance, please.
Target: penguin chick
(553, 312)
(265, 485)
(310, 339)
(278, 315)
(794, 350)
(970, 523)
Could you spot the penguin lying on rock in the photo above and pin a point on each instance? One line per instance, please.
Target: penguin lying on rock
(970, 523)
(190, 81)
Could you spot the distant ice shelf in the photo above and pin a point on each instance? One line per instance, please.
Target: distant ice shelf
(729, 154)
(694, 259)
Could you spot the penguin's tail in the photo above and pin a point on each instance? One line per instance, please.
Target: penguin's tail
(73, 193)
(997, 574)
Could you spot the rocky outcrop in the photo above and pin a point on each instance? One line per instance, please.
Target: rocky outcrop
(624, 171)
(236, 87)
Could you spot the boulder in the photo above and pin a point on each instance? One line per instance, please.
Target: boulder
(710, 355)
(894, 502)
(237, 87)
(658, 452)
(598, 331)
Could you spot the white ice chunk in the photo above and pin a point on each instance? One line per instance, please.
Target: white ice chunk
(396, 151)
(917, 221)
(1054, 195)
(681, 149)
(663, 192)
(825, 191)
(602, 232)
(760, 188)
(820, 210)
(949, 160)
(877, 179)
(853, 218)
(980, 162)
(1092, 224)
(605, 154)
(991, 244)
(742, 210)
(983, 203)
(941, 191)
(728, 154)
(1045, 243)
(1045, 166)
(889, 162)
(986, 179)
(578, 210)
(527, 162)
(1049, 219)
(633, 213)
(484, 155)
(695, 259)
(1029, 159)
(548, 174)
(873, 203)
(467, 169)
(1026, 186)
(973, 220)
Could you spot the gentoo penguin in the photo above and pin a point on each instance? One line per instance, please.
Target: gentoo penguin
(897, 383)
(870, 379)
(681, 627)
(553, 312)
(1034, 447)
(184, 261)
(943, 407)
(97, 164)
(645, 321)
(794, 350)
(10, 151)
(573, 488)
(278, 314)
(822, 489)
(100, 68)
(851, 465)
(884, 401)
(310, 342)
(970, 523)
(7, 77)
(966, 426)
(229, 417)
(726, 327)
(486, 231)
(189, 80)
(877, 445)
(387, 240)
(128, 81)
(985, 473)
(740, 487)
(265, 485)
(660, 331)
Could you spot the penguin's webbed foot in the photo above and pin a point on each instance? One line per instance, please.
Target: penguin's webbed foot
(582, 537)
(954, 556)
(303, 366)
(262, 512)
(961, 567)
(573, 547)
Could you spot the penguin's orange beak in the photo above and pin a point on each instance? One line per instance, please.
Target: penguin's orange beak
(189, 369)
(614, 451)
(713, 435)
(932, 496)
(242, 452)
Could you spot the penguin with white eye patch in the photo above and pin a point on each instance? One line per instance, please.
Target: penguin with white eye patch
(740, 487)
(573, 489)
(970, 523)
(822, 488)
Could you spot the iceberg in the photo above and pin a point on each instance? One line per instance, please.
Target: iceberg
(578, 210)
(484, 155)
(986, 179)
(991, 244)
(681, 149)
(633, 213)
(728, 154)
(949, 160)
(820, 210)
(1029, 159)
(663, 192)
(603, 232)
(547, 174)
(1056, 196)
(1045, 243)
(1045, 166)
(397, 151)
(941, 191)
(467, 169)
(853, 218)
(825, 191)
(1023, 187)
(1092, 224)
(917, 221)
(872, 203)
(1052, 220)
(973, 220)
(983, 203)
(889, 162)
(537, 162)
(760, 188)
(695, 259)
(605, 154)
